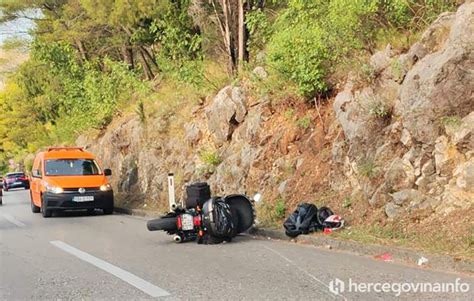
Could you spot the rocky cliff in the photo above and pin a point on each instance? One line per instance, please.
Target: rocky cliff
(397, 144)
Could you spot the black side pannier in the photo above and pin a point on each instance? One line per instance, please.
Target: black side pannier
(219, 221)
(197, 194)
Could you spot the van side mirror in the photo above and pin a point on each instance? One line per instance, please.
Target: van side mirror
(107, 172)
(36, 173)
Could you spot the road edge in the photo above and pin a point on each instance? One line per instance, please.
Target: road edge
(443, 263)
(136, 212)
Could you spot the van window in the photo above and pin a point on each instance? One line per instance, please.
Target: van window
(71, 167)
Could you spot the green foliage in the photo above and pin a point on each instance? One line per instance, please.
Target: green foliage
(367, 73)
(304, 122)
(311, 37)
(180, 55)
(346, 202)
(379, 109)
(367, 168)
(280, 208)
(397, 69)
(298, 52)
(52, 98)
(289, 113)
(260, 29)
(451, 121)
(140, 110)
(210, 157)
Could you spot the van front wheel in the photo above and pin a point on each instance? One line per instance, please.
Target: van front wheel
(45, 212)
(108, 211)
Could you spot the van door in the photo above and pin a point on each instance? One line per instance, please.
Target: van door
(36, 176)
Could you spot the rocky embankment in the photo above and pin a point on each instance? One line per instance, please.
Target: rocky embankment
(396, 143)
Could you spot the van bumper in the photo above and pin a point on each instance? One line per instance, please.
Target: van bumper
(65, 201)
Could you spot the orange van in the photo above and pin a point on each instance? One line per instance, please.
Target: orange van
(69, 178)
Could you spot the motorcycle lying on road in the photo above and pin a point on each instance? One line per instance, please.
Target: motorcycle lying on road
(204, 218)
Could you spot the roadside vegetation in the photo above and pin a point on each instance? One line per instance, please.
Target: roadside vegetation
(91, 60)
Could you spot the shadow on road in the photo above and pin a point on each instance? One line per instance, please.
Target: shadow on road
(77, 213)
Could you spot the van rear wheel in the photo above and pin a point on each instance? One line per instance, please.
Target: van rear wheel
(34, 208)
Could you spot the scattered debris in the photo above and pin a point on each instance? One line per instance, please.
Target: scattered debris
(387, 257)
(422, 261)
(327, 231)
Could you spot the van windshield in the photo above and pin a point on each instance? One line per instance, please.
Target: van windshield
(71, 167)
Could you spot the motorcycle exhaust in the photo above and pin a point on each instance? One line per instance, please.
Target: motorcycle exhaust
(177, 239)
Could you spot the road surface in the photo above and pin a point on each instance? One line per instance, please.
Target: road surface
(114, 257)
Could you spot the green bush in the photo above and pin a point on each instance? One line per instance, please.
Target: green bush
(312, 37)
(280, 208)
(298, 52)
(304, 122)
(210, 157)
(259, 28)
(367, 168)
(379, 109)
(346, 202)
(451, 121)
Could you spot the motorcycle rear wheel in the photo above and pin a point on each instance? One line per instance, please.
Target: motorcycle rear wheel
(166, 223)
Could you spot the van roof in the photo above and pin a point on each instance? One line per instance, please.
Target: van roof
(67, 153)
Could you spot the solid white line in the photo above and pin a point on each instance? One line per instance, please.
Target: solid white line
(13, 220)
(329, 292)
(137, 282)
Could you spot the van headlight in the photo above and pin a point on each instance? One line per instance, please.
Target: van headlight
(106, 187)
(54, 189)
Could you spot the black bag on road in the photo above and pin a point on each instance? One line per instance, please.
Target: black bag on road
(302, 221)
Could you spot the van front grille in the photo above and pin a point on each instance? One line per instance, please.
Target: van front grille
(87, 189)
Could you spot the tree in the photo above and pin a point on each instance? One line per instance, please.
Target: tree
(230, 17)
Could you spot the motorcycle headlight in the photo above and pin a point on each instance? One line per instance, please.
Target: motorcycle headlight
(105, 187)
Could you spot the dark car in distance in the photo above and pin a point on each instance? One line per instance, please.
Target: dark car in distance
(15, 180)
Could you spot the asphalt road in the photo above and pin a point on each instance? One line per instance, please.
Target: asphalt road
(79, 256)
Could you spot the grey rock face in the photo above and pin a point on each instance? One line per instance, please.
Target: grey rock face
(440, 84)
(406, 195)
(260, 72)
(192, 133)
(400, 175)
(227, 110)
(392, 210)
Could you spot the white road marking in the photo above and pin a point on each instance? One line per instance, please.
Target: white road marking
(13, 220)
(329, 292)
(130, 278)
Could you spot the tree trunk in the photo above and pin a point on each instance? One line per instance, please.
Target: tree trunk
(227, 36)
(127, 54)
(241, 34)
(146, 67)
(82, 50)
